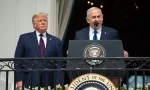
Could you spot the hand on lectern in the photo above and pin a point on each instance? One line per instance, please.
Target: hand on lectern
(125, 53)
(67, 52)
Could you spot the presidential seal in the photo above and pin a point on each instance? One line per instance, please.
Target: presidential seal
(91, 81)
(94, 51)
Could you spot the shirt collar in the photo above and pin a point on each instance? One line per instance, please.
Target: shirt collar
(38, 33)
(98, 30)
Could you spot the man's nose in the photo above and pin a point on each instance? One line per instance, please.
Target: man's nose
(96, 19)
(43, 22)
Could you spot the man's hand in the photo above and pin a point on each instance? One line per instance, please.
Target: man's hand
(19, 84)
(58, 86)
(125, 53)
(67, 52)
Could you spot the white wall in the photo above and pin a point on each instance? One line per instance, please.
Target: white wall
(15, 19)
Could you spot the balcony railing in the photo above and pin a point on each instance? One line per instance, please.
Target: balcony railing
(76, 67)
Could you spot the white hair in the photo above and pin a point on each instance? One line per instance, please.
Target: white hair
(38, 14)
(92, 8)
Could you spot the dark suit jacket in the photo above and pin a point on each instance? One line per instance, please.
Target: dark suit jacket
(28, 47)
(106, 34)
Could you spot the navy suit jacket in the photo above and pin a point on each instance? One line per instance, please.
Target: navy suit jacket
(106, 34)
(28, 47)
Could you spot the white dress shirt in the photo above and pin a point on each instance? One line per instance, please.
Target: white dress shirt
(91, 33)
(44, 37)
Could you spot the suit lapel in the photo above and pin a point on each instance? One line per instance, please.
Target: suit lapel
(87, 36)
(103, 32)
(35, 43)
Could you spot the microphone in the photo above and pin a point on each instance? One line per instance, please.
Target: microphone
(95, 24)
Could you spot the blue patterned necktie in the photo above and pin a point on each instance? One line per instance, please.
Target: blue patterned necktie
(95, 35)
(95, 38)
(42, 45)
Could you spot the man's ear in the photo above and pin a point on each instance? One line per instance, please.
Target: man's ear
(87, 20)
(33, 24)
(102, 16)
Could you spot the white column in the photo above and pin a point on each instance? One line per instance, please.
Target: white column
(8, 36)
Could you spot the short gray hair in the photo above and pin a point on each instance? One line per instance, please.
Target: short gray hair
(38, 14)
(92, 8)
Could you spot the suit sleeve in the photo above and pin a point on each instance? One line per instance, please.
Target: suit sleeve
(115, 35)
(19, 53)
(76, 36)
(59, 49)
(59, 74)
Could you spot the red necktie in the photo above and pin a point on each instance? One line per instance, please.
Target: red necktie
(42, 45)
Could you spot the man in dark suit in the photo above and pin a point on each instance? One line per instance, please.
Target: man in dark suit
(38, 44)
(96, 31)
(95, 20)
